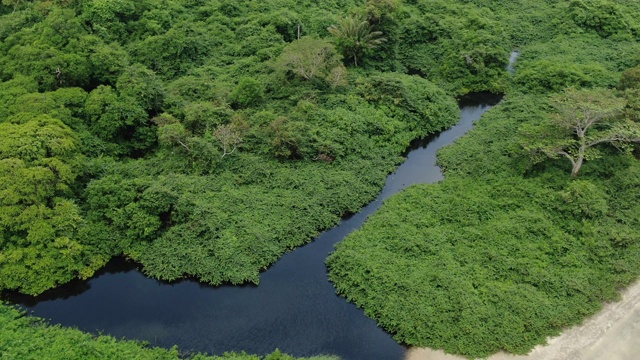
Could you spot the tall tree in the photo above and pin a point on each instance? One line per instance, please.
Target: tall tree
(355, 37)
(40, 241)
(309, 58)
(583, 119)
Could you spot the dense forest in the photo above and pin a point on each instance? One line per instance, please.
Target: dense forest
(206, 138)
(538, 220)
(200, 138)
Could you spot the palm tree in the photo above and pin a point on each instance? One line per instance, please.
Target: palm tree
(355, 37)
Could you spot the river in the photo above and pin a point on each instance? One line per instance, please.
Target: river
(294, 308)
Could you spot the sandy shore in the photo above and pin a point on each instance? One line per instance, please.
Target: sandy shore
(611, 334)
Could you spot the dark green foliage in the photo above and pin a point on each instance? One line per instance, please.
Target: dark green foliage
(115, 119)
(183, 148)
(630, 79)
(406, 97)
(179, 49)
(630, 84)
(163, 131)
(142, 86)
(109, 19)
(549, 75)
(602, 16)
(506, 252)
(205, 245)
(489, 260)
(461, 53)
(107, 62)
(248, 92)
(355, 37)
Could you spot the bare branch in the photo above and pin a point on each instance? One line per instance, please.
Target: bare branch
(568, 156)
(184, 145)
(229, 138)
(582, 112)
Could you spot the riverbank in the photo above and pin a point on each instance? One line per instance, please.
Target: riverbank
(610, 334)
(55, 342)
(495, 257)
(304, 318)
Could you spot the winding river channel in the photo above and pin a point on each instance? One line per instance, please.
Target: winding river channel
(294, 308)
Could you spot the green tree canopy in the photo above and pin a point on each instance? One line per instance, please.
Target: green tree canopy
(309, 58)
(583, 119)
(38, 222)
(355, 37)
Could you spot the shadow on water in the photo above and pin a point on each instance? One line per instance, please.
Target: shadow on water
(73, 288)
(294, 308)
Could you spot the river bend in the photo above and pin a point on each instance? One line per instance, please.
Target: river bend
(294, 308)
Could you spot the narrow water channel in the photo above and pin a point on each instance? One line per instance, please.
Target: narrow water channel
(294, 308)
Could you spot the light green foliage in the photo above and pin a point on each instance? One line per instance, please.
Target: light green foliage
(584, 199)
(50, 253)
(309, 58)
(583, 120)
(11, 90)
(41, 244)
(173, 134)
(38, 226)
(41, 142)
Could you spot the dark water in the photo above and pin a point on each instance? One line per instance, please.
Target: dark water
(294, 308)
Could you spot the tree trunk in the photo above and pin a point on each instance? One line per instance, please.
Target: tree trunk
(578, 163)
(576, 166)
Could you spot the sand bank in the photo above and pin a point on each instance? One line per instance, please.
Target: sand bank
(611, 334)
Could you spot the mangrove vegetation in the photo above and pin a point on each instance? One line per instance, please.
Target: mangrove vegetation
(537, 222)
(207, 138)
